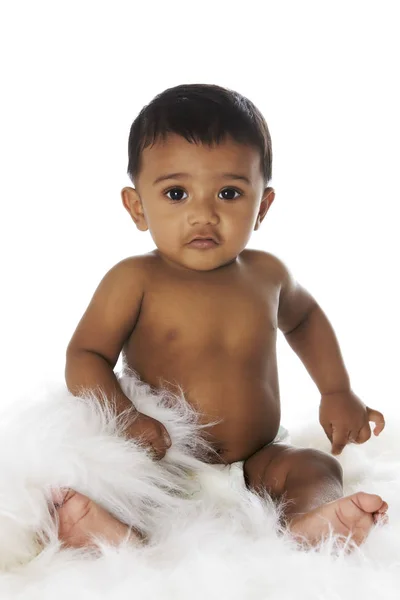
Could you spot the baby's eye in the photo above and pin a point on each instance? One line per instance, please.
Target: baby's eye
(174, 190)
(231, 190)
(179, 190)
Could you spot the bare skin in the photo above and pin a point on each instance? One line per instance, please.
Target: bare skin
(226, 372)
(205, 321)
(81, 520)
(172, 324)
(351, 517)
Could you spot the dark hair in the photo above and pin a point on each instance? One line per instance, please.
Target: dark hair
(202, 113)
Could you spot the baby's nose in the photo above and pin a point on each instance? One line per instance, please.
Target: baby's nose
(203, 211)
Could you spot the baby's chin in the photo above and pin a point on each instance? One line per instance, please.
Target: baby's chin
(197, 260)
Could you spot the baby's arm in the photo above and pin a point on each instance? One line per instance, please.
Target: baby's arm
(343, 416)
(97, 342)
(310, 334)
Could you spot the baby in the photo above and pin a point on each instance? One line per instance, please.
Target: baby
(201, 313)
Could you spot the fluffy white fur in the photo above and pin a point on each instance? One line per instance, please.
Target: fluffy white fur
(219, 542)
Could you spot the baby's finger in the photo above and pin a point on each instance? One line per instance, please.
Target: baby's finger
(353, 435)
(327, 427)
(364, 434)
(158, 449)
(166, 437)
(376, 417)
(339, 440)
(154, 452)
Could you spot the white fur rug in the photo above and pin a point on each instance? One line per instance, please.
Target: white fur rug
(221, 542)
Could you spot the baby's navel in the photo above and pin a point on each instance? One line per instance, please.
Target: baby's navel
(171, 335)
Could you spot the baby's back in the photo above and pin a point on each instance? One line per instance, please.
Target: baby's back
(213, 333)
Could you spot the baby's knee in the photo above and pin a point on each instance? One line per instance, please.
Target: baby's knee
(322, 463)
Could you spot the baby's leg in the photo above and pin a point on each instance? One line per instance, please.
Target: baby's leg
(79, 519)
(312, 482)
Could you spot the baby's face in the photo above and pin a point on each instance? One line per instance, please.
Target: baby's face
(202, 202)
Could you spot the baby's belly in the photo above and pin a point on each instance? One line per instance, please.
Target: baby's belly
(243, 398)
(249, 416)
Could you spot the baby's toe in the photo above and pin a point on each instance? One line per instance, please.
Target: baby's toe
(59, 496)
(369, 503)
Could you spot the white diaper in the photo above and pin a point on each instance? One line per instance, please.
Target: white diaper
(282, 435)
(200, 477)
(220, 479)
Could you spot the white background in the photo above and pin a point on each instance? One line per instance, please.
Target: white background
(74, 76)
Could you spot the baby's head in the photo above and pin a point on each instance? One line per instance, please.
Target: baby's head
(200, 159)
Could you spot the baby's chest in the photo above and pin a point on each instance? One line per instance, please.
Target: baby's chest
(212, 316)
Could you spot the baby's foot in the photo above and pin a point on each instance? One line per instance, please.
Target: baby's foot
(80, 518)
(354, 515)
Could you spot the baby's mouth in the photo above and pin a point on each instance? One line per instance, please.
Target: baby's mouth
(203, 243)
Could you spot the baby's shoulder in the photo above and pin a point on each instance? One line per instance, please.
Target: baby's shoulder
(129, 271)
(267, 265)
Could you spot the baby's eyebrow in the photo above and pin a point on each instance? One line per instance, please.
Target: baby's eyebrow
(182, 175)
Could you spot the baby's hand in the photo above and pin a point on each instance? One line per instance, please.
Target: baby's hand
(151, 433)
(345, 420)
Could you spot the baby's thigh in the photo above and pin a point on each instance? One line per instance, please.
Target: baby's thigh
(268, 469)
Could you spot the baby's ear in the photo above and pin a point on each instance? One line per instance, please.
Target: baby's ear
(267, 200)
(258, 223)
(133, 204)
